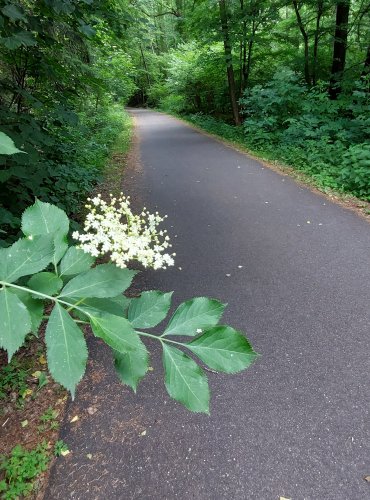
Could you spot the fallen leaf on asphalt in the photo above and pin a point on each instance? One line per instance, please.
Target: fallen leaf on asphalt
(143, 433)
(284, 498)
(74, 419)
(150, 369)
(64, 453)
(89, 456)
(367, 479)
(228, 275)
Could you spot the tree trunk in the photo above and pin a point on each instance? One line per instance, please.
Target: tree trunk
(248, 56)
(320, 9)
(145, 66)
(305, 42)
(366, 70)
(243, 49)
(229, 61)
(340, 48)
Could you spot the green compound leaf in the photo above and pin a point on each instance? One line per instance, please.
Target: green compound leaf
(35, 308)
(105, 280)
(185, 381)
(15, 322)
(223, 348)
(116, 331)
(149, 309)
(7, 146)
(44, 218)
(132, 366)
(195, 314)
(66, 349)
(47, 283)
(75, 261)
(25, 257)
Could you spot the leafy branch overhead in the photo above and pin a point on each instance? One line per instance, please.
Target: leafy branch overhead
(41, 269)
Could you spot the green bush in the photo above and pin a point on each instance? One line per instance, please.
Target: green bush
(71, 163)
(21, 469)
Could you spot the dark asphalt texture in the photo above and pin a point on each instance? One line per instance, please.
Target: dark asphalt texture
(296, 424)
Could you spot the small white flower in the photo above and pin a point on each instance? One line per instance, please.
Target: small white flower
(113, 228)
(199, 330)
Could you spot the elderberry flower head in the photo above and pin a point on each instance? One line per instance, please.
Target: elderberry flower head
(113, 228)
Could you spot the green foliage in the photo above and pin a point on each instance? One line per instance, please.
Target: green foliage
(61, 99)
(81, 295)
(13, 379)
(21, 469)
(60, 448)
(326, 139)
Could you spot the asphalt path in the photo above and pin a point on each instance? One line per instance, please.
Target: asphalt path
(294, 269)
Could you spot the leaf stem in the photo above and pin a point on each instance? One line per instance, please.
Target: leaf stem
(159, 337)
(43, 295)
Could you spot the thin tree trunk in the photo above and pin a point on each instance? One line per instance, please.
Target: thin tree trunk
(229, 61)
(145, 66)
(243, 49)
(320, 8)
(248, 63)
(340, 48)
(366, 70)
(305, 42)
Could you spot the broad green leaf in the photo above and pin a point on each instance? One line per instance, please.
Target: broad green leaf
(13, 12)
(195, 314)
(7, 146)
(34, 307)
(132, 366)
(18, 39)
(149, 309)
(185, 381)
(116, 305)
(223, 348)
(75, 261)
(44, 218)
(105, 280)
(24, 257)
(60, 247)
(15, 322)
(47, 283)
(116, 331)
(66, 349)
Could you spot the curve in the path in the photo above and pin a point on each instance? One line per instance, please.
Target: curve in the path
(294, 425)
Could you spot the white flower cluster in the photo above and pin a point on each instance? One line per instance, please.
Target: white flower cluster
(113, 228)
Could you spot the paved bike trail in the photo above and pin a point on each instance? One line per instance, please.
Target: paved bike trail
(295, 270)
